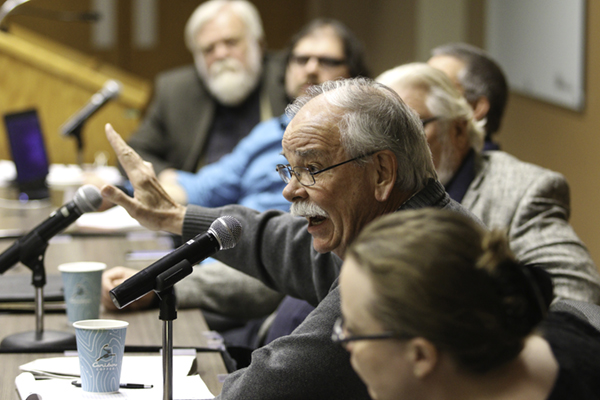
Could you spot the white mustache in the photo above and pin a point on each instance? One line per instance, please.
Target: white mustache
(226, 65)
(307, 209)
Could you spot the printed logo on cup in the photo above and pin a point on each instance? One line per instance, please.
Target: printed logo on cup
(82, 283)
(80, 295)
(106, 359)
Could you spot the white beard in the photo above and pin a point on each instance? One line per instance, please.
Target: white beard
(228, 80)
(449, 164)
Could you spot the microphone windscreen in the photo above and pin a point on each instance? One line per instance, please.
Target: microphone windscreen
(227, 230)
(112, 88)
(87, 198)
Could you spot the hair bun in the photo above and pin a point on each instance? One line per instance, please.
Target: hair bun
(526, 294)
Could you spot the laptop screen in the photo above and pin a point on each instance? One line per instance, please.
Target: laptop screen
(28, 152)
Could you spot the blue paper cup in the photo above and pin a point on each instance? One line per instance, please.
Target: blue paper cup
(82, 284)
(100, 347)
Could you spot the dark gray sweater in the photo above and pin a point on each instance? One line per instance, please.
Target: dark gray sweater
(277, 249)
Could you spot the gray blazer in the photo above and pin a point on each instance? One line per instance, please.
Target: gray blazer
(176, 125)
(533, 205)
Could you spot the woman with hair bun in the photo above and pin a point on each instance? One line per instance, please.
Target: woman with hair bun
(435, 307)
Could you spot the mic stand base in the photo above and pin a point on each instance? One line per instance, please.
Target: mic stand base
(32, 253)
(45, 341)
(168, 313)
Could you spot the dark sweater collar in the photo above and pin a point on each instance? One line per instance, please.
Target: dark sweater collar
(432, 195)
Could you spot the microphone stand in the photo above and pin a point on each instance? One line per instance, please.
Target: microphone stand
(168, 312)
(32, 251)
(76, 132)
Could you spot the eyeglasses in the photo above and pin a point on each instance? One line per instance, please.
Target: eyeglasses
(305, 176)
(340, 337)
(430, 119)
(324, 62)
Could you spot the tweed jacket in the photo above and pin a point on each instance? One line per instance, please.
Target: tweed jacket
(177, 122)
(533, 205)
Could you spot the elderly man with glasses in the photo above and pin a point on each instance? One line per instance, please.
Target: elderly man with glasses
(530, 202)
(325, 49)
(358, 152)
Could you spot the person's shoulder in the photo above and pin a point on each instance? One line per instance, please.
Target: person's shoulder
(184, 73)
(269, 130)
(501, 159)
(433, 195)
(576, 346)
(501, 166)
(276, 122)
(181, 84)
(455, 206)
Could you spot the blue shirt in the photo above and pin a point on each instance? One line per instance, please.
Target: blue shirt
(245, 176)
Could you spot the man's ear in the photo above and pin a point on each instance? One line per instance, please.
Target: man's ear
(386, 170)
(423, 356)
(481, 108)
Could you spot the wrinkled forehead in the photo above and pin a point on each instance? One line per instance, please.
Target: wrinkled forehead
(314, 130)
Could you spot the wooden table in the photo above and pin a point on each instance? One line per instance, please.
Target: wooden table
(145, 329)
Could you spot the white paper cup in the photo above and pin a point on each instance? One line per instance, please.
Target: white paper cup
(82, 284)
(100, 347)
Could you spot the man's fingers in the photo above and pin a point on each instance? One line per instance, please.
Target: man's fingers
(114, 195)
(126, 155)
(136, 168)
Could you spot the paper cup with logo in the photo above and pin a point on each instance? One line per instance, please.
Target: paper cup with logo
(100, 347)
(82, 283)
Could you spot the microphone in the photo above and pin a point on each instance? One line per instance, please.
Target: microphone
(223, 234)
(87, 198)
(110, 90)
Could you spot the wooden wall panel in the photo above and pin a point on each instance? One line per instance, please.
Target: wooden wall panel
(33, 77)
(281, 19)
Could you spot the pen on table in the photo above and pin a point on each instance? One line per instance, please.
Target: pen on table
(122, 385)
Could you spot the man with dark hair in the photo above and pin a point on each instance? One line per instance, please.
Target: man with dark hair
(481, 81)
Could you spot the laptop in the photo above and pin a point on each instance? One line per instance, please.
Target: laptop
(28, 153)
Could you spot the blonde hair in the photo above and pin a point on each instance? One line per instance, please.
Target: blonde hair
(443, 98)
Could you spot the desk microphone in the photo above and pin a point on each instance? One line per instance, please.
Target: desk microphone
(87, 198)
(110, 90)
(223, 234)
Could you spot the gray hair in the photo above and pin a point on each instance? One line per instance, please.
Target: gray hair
(205, 12)
(443, 98)
(374, 118)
